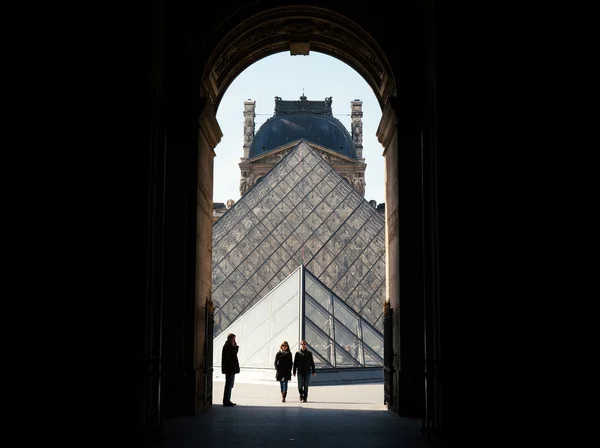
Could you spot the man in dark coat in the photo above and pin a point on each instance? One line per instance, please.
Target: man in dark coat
(304, 364)
(229, 366)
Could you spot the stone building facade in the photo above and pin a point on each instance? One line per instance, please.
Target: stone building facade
(312, 121)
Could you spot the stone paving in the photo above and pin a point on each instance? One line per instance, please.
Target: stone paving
(343, 415)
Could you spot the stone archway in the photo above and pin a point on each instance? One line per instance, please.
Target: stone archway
(299, 30)
(196, 51)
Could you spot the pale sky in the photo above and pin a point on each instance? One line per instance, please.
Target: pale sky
(318, 76)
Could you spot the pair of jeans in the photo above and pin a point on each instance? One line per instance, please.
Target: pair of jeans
(303, 380)
(229, 380)
(283, 385)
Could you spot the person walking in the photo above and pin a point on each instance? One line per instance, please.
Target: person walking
(229, 367)
(283, 366)
(303, 364)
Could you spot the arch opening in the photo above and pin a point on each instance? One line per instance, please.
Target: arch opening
(297, 30)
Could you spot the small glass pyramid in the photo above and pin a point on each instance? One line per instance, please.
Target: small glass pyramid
(301, 305)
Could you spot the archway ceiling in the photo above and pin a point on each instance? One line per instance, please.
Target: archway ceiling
(273, 31)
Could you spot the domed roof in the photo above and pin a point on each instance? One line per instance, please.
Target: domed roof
(308, 120)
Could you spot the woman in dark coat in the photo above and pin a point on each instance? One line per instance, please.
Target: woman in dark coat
(283, 366)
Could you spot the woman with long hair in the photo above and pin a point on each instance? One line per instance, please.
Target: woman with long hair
(283, 366)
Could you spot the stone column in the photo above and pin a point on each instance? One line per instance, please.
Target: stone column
(400, 134)
(209, 135)
(387, 134)
(357, 127)
(249, 115)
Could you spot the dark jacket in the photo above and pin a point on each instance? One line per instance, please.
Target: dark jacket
(283, 365)
(303, 362)
(229, 359)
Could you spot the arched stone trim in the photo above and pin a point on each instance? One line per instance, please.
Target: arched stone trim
(278, 29)
(209, 135)
(387, 130)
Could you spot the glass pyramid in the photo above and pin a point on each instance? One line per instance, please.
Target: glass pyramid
(301, 307)
(302, 213)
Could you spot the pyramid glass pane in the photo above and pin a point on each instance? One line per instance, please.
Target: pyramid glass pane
(319, 316)
(337, 335)
(371, 360)
(302, 213)
(345, 316)
(262, 328)
(345, 341)
(373, 339)
(320, 294)
(320, 343)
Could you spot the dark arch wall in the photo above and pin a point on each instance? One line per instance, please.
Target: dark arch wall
(198, 50)
(297, 29)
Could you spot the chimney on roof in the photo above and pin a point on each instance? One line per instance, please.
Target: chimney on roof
(249, 115)
(357, 127)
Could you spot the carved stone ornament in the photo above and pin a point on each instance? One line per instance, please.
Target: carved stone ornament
(358, 182)
(273, 159)
(246, 182)
(357, 133)
(299, 27)
(337, 161)
(248, 135)
(272, 31)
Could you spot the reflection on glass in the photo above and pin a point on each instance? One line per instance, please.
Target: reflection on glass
(317, 292)
(321, 318)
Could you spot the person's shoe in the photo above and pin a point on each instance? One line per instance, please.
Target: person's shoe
(300, 397)
(304, 400)
(229, 404)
